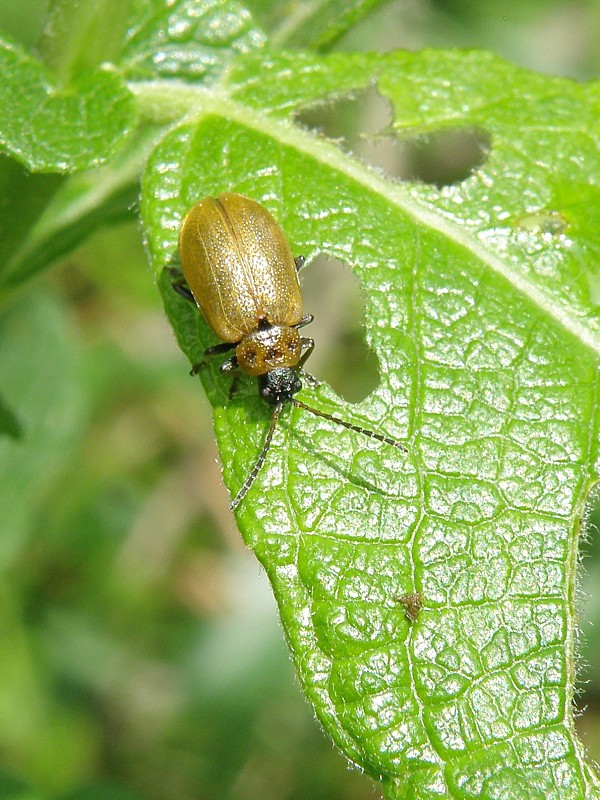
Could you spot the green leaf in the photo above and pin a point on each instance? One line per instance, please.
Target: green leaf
(60, 128)
(188, 39)
(26, 196)
(482, 308)
(317, 24)
(81, 36)
(52, 215)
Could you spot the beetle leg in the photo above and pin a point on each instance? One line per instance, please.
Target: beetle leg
(183, 290)
(179, 284)
(231, 364)
(215, 350)
(299, 261)
(310, 379)
(306, 320)
(218, 349)
(309, 344)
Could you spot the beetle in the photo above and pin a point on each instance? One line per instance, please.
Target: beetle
(239, 270)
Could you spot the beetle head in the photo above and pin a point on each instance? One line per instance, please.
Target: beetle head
(279, 385)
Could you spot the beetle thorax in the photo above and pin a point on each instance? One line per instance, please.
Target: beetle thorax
(269, 347)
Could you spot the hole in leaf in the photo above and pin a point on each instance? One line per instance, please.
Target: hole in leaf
(341, 357)
(445, 157)
(587, 526)
(589, 523)
(361, 124)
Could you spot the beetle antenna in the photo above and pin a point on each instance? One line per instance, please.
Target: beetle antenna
(365, 431)
(260, 460)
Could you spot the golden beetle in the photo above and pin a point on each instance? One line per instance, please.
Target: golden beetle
(239, 269)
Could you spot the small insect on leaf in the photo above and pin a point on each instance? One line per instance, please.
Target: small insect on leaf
(413, 603)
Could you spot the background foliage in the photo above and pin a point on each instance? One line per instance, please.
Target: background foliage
(142, 656)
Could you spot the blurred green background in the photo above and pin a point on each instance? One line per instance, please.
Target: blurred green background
(141, 652)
